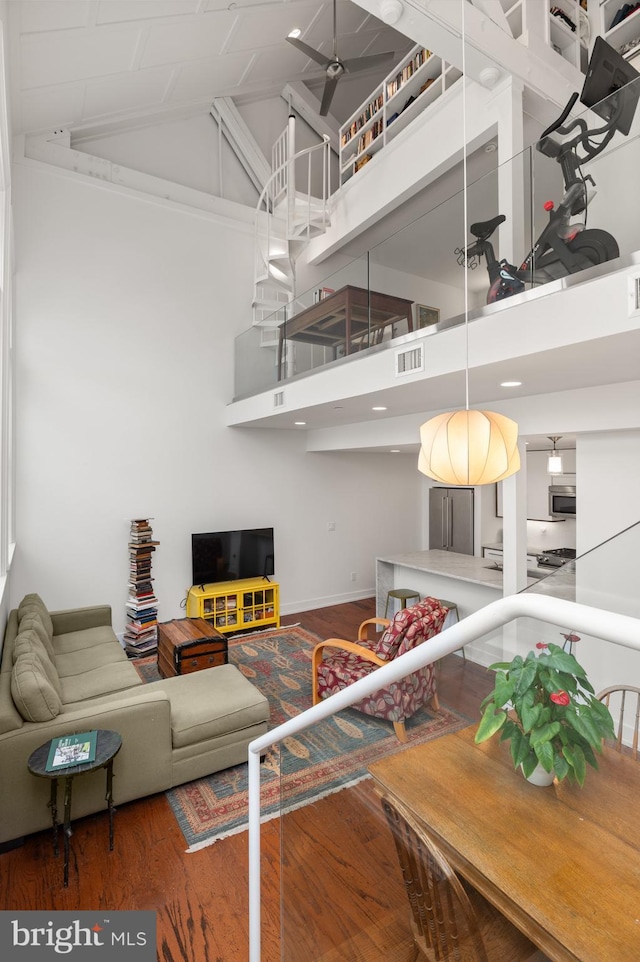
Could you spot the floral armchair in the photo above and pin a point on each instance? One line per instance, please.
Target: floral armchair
(338, 663)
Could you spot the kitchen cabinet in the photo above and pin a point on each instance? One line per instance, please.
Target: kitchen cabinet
(495, 556)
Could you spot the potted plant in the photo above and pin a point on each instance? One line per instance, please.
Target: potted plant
(545, 705)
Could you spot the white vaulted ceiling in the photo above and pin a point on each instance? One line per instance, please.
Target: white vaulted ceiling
(78, 63)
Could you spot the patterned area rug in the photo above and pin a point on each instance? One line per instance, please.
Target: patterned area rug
(323, 759)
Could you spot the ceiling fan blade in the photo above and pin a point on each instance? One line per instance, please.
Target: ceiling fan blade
(365, 63)
(327, 95)
(308, 51)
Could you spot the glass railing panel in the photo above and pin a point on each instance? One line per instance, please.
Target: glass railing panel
(328, 321)
(342, 891)
(343, 897)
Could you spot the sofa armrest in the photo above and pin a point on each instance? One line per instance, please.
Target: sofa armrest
(142, 767)
(77, 619)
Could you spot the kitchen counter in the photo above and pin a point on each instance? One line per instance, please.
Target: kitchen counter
(466, 580)
(462, 567)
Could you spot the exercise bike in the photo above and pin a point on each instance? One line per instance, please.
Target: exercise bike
(562, 248)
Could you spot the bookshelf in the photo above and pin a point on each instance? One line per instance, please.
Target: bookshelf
(141, 632)
(569, 31)
(621, 28)
(413, 84)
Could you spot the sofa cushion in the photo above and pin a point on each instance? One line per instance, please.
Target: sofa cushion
(10, 718)
(28, 642)
(32, 621)
(84, 638)
(33, 694)
(33, 604)
(99, 681)
(86, 659)
(209, 703)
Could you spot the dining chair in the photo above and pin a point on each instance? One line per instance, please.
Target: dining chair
(450, 920)
(623, 701)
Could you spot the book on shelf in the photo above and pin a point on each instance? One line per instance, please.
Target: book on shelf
(76, 749)
(143, 647)
(421, 57)
(135, 630)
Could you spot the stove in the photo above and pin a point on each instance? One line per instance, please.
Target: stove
(556, 557)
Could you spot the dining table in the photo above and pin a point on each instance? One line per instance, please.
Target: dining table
(562, 863)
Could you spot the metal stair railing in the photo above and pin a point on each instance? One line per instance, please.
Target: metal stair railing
(610, 626)
(301, 219)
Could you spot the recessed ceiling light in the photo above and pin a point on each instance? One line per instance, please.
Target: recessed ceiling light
(510, 383)
(379, 408)
(394, 451)
(300, 424)
(295, 33)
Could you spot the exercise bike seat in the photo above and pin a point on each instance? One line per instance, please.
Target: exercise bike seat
(485, 228)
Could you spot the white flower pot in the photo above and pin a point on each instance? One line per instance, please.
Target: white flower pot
(540, 776)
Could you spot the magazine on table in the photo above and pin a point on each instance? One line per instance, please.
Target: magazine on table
(74, 749)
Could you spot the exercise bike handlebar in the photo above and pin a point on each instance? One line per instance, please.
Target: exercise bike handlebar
(582, 139)
(561, 119)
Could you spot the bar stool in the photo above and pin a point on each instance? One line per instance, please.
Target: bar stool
(403, 594)
(453, 610)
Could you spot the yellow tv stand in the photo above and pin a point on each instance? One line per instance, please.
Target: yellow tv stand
(236, 605)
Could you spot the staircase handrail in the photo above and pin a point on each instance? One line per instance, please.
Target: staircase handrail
(267, 200)
(608, 625)
(285, 164)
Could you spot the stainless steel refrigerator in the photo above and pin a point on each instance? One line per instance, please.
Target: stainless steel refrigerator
(451, 519)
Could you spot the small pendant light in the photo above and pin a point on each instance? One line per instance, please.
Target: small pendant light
(554, 463)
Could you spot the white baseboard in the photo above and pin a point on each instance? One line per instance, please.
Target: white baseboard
(308, 604)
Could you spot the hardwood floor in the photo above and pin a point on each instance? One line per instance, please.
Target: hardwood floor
(342, 892)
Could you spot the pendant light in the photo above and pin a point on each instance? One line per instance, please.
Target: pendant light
(554, 462)
(468, 446)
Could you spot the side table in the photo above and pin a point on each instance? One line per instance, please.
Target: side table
(108, 744)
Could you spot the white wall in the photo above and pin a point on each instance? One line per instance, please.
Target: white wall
(127, 308)
(608, 466)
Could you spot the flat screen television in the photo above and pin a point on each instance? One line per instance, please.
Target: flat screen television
(230, 555)
(609, 73)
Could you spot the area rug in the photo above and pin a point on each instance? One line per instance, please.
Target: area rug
(323, 759)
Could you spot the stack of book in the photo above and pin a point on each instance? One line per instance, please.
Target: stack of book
(141, 632)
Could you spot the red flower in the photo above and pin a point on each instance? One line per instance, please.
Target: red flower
(570, 637)
(560, 698)
(541, 644)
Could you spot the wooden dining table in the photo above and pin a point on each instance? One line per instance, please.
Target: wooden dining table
(562, 863)
(346, 318)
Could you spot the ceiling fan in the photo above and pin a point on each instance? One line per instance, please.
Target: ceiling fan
(335, 67)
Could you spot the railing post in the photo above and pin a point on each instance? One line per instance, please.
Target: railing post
(253, 795)
(291, 170)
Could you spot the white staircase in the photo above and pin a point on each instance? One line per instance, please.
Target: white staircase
(286, 219)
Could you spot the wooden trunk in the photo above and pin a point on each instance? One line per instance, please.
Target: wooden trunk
(189, 644)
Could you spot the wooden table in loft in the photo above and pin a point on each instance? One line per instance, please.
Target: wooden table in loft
(344, 318)
(562, 863)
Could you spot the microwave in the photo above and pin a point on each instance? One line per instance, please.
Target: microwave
(562, 500)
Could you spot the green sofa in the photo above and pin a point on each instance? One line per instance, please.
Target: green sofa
(65, 671)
